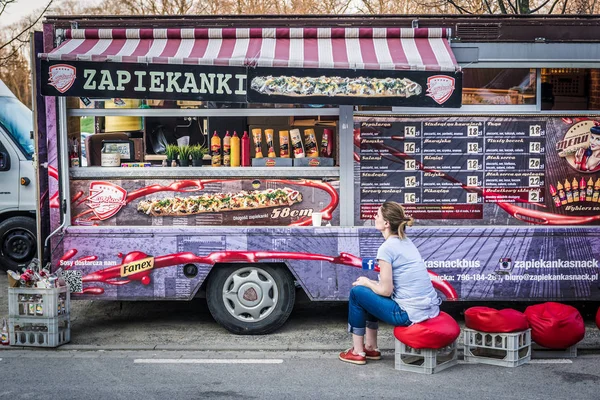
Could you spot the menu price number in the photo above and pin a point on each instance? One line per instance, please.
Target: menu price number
(472, 198)
(410, 181)
(410, 131)
(535, 163)
(410, 165)
(472, 165)
(534, 196)
(409, 147)
(535, 147)
(535, 130)
(410, 198)
(473, 148)
(535, 181)
(472, 130)
(472, 181)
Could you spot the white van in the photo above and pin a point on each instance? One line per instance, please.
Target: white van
(17, 182)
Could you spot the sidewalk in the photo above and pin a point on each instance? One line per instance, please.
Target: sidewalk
(161, 325)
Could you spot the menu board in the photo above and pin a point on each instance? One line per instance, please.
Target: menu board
(475, 170)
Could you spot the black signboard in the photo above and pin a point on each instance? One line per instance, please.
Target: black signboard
(144, 81)
(355, 87)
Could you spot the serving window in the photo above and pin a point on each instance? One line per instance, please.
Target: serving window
(499, 86)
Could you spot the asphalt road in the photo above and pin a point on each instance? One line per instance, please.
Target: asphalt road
(291, 375)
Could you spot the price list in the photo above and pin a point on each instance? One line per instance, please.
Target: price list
(442, 168)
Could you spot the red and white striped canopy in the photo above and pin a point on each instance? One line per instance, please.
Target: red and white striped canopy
(346, 48)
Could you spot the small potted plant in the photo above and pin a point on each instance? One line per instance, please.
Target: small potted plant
(198, 152)
(184, 155)
(171, 152)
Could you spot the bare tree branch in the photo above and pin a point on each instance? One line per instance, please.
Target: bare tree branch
(28, 27)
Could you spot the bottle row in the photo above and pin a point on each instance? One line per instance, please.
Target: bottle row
(575, 191)
(233, 151)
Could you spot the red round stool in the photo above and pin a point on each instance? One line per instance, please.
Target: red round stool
(496, 337)
(598, 318)
(427, 347)
(556, 326)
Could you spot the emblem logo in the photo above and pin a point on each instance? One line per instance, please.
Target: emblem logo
(270, 163)
(440, 88)
(250, 295)
(314, 163)
(106, 199)
(578, 144)
(62, 76)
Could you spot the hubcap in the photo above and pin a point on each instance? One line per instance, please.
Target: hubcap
(19, 245)
(250, 294)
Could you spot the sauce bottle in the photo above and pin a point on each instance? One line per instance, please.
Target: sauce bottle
(568, 191)
(284, 144)
(310, 143)
(215, 150)
(575, 189)
(257, 136)
(227, 150)
(245, 151)
(596, 195)
(589, 191)
(555, 198)
(235, 150)
(561, 194)
(4, 338)
(270, 146)
(582, 189)
(327, 143)
(297, 143)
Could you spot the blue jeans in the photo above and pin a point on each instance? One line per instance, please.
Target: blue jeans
(366, 308)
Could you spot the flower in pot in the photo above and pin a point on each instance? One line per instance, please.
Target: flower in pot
(171, 152)
(198, 152)
(184, 155)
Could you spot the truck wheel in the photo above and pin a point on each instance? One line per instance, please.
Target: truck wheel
(250, 299)
(17, 242)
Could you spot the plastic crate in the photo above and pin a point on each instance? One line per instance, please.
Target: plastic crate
(38, 303)
(39, 332)
(544, 352)
(503, 349)
(424, 361)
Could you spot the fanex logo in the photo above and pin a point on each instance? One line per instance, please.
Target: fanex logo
(106, 199)
(270, 163)
(62, 76)
(137, 266)
(314, 163)
(440, 88)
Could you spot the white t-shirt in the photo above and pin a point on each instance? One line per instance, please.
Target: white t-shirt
(413, 290)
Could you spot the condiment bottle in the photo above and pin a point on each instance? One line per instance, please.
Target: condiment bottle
(284, 144)
(555, 198)
(327, 143)
(582, 189)
(257, 136)
(561, 194)
(596, 194)
(589, 191)
(575, 189)
(270, 145)
(227, 150)
(310, 143)
(245, 150)
(215, 150)
(297, 143)
(4, 338)
(235, 150)
(568, 191)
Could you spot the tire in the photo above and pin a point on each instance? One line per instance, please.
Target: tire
(263, 304)
(18, 245)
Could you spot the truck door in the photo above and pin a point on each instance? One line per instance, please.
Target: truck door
(9, 175)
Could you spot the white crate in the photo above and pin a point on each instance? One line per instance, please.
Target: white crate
(503, 349)
(424, 361)
(38, 303)
(39, 332)
(544, 352)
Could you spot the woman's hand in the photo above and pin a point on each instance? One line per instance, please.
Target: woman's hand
(362, 281)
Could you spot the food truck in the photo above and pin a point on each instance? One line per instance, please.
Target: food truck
(485, 128)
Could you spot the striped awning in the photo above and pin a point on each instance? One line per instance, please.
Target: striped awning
(425, 49)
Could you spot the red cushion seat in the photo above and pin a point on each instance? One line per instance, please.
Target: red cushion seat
(555, 325)
(598, 318)
(486, 319)
(433, 333)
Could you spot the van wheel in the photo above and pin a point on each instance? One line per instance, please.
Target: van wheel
(248, 299)
(17, 242)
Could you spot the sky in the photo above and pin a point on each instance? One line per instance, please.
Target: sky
(22, 8)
